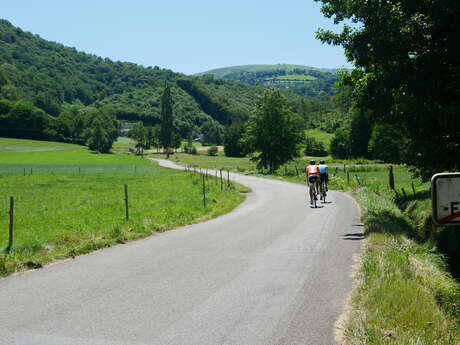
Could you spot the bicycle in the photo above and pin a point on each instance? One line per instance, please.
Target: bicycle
(312, 187)
(322, 191)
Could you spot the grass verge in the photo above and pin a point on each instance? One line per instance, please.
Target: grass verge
(405, 294)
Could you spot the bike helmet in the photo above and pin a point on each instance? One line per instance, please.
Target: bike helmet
(312, 162)
(321, 161)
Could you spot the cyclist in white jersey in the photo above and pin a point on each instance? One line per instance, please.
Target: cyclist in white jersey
(323, 173)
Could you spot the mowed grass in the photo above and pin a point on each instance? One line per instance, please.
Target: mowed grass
(240, 164)
(9, 145)
(74, 203)
(292, 77)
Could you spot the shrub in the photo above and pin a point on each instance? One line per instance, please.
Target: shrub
(192, 150)
(212, 151)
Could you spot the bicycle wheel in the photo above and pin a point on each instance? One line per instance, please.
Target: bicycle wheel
(323, 192)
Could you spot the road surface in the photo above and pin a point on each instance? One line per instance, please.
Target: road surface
(272, 272)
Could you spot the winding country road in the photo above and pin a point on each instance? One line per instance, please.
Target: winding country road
(272, 272)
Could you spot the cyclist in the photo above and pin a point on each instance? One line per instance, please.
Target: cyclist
(313, 178)
(323, 173)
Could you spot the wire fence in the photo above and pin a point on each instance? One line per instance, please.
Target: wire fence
(49, 207)
(31, 169)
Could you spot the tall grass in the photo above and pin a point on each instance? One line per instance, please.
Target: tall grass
(405, 294)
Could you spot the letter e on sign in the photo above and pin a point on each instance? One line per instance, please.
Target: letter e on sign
(445, 197)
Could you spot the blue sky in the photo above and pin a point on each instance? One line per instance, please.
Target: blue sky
(185, 36)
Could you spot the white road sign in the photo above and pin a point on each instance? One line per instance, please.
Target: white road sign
(445, 195)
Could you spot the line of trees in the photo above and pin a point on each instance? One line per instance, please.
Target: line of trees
(96, 127)
(406, 75)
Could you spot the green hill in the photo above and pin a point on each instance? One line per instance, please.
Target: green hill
(304, 80)
(52, 76)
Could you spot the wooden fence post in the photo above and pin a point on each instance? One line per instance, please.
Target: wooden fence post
(221, 181)
(126, 203)
(348, 177)
(204, 191)
(11, 229)
(391, 178)
(228, 178)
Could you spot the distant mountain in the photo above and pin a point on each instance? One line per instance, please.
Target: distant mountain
(304, 80)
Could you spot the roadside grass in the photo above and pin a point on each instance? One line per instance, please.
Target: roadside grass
(71, 202)
(405, 294)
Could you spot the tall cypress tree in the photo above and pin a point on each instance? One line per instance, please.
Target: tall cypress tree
(166, 129)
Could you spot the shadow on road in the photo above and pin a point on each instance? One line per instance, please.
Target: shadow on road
(357, 236)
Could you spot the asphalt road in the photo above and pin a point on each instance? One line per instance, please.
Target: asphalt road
(272, 272)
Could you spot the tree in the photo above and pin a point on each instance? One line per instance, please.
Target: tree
(103, 130)
(233, 147)
(3, 78)
(360, 133)
(98, 139)
(139, 134)
(314, 147)
(340, 144)
(166, 131)
(212, 132)
(386, 144)
(156, 136)
(176, 141)
(273, 132)
(213, 150)
(407, 72)
(150, 136)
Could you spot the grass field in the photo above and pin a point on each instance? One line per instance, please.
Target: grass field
(9, 145)
(72, 202)
(321, 136)
(292, 77)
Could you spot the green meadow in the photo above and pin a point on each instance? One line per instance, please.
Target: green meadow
(71, 201)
